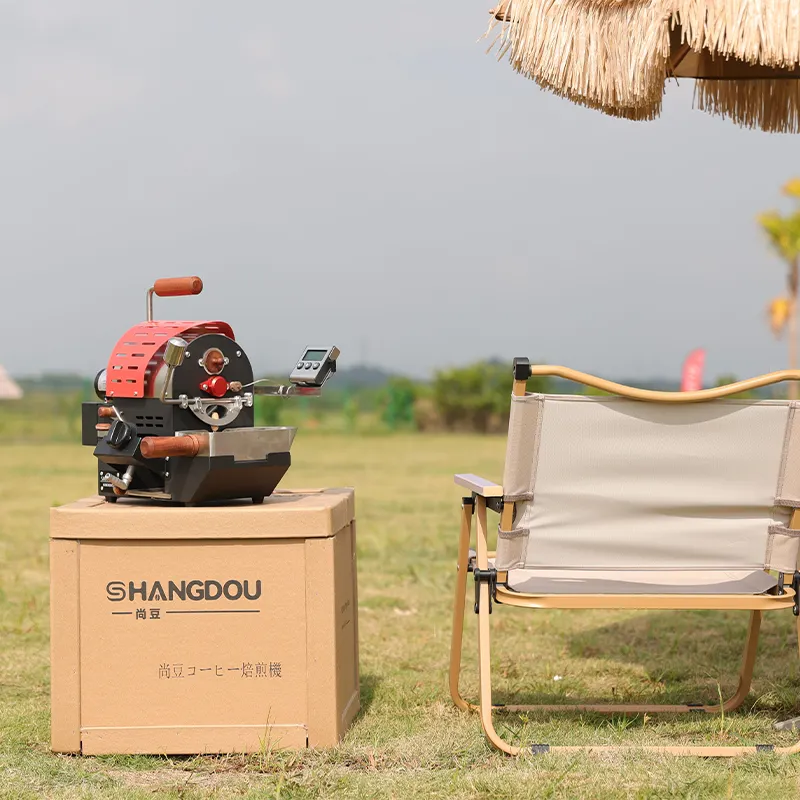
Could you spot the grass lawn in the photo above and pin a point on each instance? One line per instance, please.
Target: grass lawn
(409, 741)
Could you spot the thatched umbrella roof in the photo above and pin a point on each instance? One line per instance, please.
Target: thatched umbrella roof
(617, 55)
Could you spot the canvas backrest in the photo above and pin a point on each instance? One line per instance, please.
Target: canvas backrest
(611, 483)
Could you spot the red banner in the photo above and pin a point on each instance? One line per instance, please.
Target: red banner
(692, 378)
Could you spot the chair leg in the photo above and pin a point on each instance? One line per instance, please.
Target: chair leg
(499, 743)
(456, 644)
(792, 724)
(486, 708)
(484, 649)
(748, 664)
(458, 606)
(485, 668)
(731, 704)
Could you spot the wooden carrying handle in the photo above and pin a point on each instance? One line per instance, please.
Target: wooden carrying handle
(703, 395)
(169, 446)
(178, 287)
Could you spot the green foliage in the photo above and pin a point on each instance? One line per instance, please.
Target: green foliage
(58, 382)
(468, 396)
(474, 396)
(268, 411)
(725, 380)
(792, 187)
(350, 413)
(783, 231)
(590, 391)
(68, 408)
(42, 417)
(398, 403)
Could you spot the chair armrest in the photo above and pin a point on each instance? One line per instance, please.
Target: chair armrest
(633, 393)
(479, 485)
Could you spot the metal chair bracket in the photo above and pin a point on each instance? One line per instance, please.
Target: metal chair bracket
(485, 576)
(495, 504)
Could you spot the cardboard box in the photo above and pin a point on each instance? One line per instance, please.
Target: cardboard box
(218, 629)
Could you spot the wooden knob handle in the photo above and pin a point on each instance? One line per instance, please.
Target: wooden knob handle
(178, 287)
(164, 446)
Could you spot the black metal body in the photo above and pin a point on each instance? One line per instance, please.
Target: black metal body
(185, 480)
(203, 478)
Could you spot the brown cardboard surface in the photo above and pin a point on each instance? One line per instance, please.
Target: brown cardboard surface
(198, 659)
(333, 685)
(346, 626)
(189, 644)
(350, 714)
(311, 513)
(200, 739)
(65, 676)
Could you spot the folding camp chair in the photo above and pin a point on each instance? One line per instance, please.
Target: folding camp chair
(645, 500)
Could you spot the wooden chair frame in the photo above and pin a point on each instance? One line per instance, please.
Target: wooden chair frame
(485, 494)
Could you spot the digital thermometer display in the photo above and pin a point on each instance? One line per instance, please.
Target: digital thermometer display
(315, 367)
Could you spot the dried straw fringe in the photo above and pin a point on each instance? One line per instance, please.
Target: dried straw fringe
(601, 52)
(613, 55)
(769, 105)
(756, 31)
(643, 113)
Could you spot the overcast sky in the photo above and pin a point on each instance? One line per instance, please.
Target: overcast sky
(364, 175)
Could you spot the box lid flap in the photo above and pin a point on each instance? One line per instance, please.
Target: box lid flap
(287, 514)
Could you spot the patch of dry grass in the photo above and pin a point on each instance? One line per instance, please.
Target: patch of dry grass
(409, 741)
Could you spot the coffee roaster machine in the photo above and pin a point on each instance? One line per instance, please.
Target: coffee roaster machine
(175, 421)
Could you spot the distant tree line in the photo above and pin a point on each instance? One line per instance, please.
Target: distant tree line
(472, 398)
(476, 397)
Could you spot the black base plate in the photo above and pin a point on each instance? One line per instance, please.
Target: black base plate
(203, 479)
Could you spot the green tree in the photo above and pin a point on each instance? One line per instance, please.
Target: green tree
(398, 403)
(783, 232)
(472, 396)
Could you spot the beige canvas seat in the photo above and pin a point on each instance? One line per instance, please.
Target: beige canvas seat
(636, 500)
(574, 581)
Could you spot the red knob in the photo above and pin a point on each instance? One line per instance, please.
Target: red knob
(216, 386)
